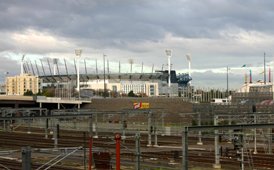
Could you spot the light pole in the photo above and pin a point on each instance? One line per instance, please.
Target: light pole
(55, 61)
(131, 63)
(227, 82)
(104, 58)
(168, 53)
(264, 71)
(6, 82)
(78, 53)
(188, 57)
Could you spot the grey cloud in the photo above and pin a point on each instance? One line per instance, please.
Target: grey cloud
(217, 80)
(122, 25)
(9, 66)
(131, 21)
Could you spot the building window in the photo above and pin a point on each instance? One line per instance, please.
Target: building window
(114, 88)
(151, 90)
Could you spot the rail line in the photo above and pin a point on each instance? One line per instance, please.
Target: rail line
(16, 140)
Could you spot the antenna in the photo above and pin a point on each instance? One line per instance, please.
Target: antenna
(142, 68)
(152, 70)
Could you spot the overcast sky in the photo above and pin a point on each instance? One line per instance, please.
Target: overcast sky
(217, 34)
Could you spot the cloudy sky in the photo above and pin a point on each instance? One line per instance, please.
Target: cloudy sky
(217, 34)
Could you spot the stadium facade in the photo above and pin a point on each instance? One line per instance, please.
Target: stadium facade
(158, 83)
(142, 84)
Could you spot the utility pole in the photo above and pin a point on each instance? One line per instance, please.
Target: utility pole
(168, 54)
(78, 53)
(26, 158)
(188, 57)
(227, 91)
(264, 71)
(104, 94)
(138, 152)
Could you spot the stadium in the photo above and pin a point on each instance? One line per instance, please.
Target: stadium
(68, 84)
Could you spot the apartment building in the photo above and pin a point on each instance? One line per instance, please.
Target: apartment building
(18, 85)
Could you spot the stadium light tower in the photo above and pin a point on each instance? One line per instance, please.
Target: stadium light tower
(131, 61)
(55, 61)
(78, 53)
(168, 53)
(188, 57)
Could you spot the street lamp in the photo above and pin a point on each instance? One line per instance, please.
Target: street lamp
(78, 53)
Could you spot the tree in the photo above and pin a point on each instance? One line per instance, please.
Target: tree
(39, 93)
(48, 92)
(131, 94)
(28, 93)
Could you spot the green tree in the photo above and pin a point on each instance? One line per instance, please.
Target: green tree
(28, 93)
(48, 92)
(131, 94)
(39, 93)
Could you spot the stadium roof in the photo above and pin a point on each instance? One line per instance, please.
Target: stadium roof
(122, 76)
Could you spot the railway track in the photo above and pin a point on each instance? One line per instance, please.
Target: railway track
(36, 139)
(17, 165)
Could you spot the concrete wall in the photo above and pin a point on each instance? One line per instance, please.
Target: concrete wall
(170, 105)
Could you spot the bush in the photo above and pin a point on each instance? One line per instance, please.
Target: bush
(28, 93)
(131, 94)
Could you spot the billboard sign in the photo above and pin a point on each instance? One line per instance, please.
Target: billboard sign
(140, 105)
